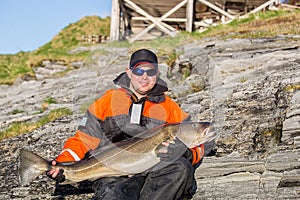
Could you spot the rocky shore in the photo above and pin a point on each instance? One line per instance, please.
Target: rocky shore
(249, 88)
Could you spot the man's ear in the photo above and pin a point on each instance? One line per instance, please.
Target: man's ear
(128, 71)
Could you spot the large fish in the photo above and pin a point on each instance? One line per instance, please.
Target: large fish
(132, 157)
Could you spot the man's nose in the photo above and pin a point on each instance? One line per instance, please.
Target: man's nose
(145, 75)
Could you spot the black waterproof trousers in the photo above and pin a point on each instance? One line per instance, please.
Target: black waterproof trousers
(173, 182)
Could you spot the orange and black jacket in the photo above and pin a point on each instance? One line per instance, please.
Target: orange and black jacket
(108, 119)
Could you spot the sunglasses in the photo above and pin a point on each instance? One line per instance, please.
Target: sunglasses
(140, 72)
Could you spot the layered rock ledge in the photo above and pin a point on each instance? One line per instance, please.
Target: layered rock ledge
(249, 88)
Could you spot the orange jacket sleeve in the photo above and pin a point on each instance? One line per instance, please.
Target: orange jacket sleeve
(198, 153)
(77, 146)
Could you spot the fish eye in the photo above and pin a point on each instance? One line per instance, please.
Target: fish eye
(194, 125)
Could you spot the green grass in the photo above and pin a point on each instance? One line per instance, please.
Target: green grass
(25, 127)
(50, 100)
(13, 66)
(46, 103)
(22, 63)
(16, 111)
(262, 24)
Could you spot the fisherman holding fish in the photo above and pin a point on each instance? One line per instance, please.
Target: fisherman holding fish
(137, 105)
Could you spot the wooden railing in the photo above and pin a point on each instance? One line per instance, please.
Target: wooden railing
(93, 39)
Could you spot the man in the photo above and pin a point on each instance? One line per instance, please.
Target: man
(137, 105)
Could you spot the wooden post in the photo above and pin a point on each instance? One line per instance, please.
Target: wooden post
(115, 21)
(189, 16)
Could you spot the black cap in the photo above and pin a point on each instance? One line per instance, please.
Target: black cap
(143, 55)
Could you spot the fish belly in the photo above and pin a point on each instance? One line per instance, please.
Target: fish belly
(132, 163)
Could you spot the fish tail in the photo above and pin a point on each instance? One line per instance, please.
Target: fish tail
(30, 166)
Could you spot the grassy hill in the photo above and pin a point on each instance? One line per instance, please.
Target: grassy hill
(22, 63)
(263, 24)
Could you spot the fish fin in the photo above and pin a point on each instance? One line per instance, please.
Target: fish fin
(30, 166)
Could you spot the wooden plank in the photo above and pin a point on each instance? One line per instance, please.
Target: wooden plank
(142, 12)
(189, 16)
(263, 6)
(290, 6)
(171, 11)
(256, 2)
(178, 14)
(146, 19)
(157, 2)
(115, 21)
(159, 20)
(158, 8)
(156, 18)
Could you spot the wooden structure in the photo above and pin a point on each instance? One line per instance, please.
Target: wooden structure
(146, 19)
(93, 39)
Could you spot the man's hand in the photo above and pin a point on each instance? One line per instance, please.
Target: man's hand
(56, 174)
(172, 150)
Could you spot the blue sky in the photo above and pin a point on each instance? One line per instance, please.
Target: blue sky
(26, 25)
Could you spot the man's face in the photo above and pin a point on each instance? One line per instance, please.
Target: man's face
(143, 82)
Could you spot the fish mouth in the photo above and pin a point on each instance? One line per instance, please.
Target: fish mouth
(208, 132)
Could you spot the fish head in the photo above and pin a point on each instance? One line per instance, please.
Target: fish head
(193, 134)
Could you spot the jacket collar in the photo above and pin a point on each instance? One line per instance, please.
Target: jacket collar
(155, 95)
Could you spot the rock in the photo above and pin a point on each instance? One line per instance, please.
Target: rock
(249, 88)
(291, 125)
(241, 178)
(247, 83)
